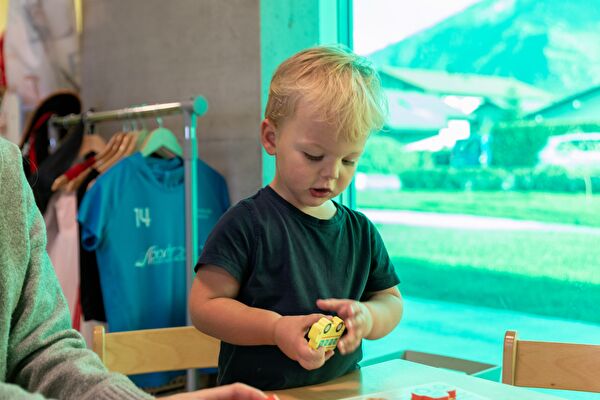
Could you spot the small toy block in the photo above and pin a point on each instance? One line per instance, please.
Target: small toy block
(326, 333)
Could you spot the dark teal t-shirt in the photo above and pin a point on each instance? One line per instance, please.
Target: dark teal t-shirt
(284, 261)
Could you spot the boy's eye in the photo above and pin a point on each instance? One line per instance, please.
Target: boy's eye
(312, 158)
(349, 162)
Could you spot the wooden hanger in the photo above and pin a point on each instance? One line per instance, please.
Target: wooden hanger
(72, 173)
(111, 149)
(126, 148)
(124, 144)
(90, 143)
(76, 183)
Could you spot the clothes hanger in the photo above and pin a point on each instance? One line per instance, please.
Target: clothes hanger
(140, 135)
(73, 185)
(111, 149)
(163, 142)
(73, 173)
(126, 148)
(121, 144)
(91, 142)
(143, 133)
(141, 138)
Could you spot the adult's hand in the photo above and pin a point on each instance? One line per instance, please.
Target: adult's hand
(236, 391)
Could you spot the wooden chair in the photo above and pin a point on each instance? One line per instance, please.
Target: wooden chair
(155, 350)
(567, 366)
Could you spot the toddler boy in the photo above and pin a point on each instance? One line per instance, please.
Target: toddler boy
(278, 261)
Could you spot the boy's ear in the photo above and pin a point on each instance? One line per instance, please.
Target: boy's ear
(267, 137)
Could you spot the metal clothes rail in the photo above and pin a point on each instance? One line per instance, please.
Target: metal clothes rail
(191, 110)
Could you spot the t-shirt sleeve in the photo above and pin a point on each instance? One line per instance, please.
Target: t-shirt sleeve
(231, 243)
(93, 215)
(383, 274)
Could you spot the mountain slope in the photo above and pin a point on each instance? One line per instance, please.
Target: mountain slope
(552, 44)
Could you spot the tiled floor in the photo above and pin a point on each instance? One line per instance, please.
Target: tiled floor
(475, 333)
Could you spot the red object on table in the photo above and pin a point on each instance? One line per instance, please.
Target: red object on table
(429, 395)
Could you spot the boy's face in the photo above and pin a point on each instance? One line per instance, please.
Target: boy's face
(312, 165)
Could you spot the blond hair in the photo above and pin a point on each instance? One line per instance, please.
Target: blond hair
(342, 88)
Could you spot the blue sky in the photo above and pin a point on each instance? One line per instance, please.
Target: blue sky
(378, 23)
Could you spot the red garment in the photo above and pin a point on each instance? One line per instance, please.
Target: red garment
(32, 153)
(77, 169)
(2, 70)
(76, 318)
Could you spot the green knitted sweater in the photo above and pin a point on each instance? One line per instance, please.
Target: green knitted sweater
(40, 355)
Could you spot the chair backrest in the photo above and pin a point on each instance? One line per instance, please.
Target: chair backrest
(567, 366)
(155, 350)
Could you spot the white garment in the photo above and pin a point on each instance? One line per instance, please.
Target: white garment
(41, 48)
(11, 119)
(63, 244)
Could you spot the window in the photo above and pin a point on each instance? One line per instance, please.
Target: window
(485, 182)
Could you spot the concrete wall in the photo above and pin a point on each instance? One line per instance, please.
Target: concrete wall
(153, 51)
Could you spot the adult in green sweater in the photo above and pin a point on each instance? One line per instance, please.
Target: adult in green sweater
(40, 355)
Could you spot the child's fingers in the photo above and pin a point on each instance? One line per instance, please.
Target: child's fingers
(351, 309)
(309, 365)
(356, 320)
(307, 352)
(351, 312)
(329, 354)
(330, 304)
(355, 331)
(313, 359)
(342, 307)
(312, 318)
(348, 344)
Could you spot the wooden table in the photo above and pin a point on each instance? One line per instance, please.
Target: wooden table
(397, 374)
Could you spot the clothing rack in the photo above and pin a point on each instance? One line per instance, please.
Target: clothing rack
(191, 110)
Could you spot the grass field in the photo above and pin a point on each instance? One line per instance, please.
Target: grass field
(562, 208)
(538, 272)
(543, 272)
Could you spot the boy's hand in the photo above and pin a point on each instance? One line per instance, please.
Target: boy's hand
(290, 337)
(356, 316)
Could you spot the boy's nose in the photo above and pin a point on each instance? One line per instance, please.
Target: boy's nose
(331, 170)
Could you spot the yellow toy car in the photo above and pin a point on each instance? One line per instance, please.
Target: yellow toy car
(326, 333)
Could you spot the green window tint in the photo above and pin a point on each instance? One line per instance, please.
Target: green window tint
(485, 182)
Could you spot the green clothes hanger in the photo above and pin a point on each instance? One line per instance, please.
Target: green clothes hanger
(163, 142)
